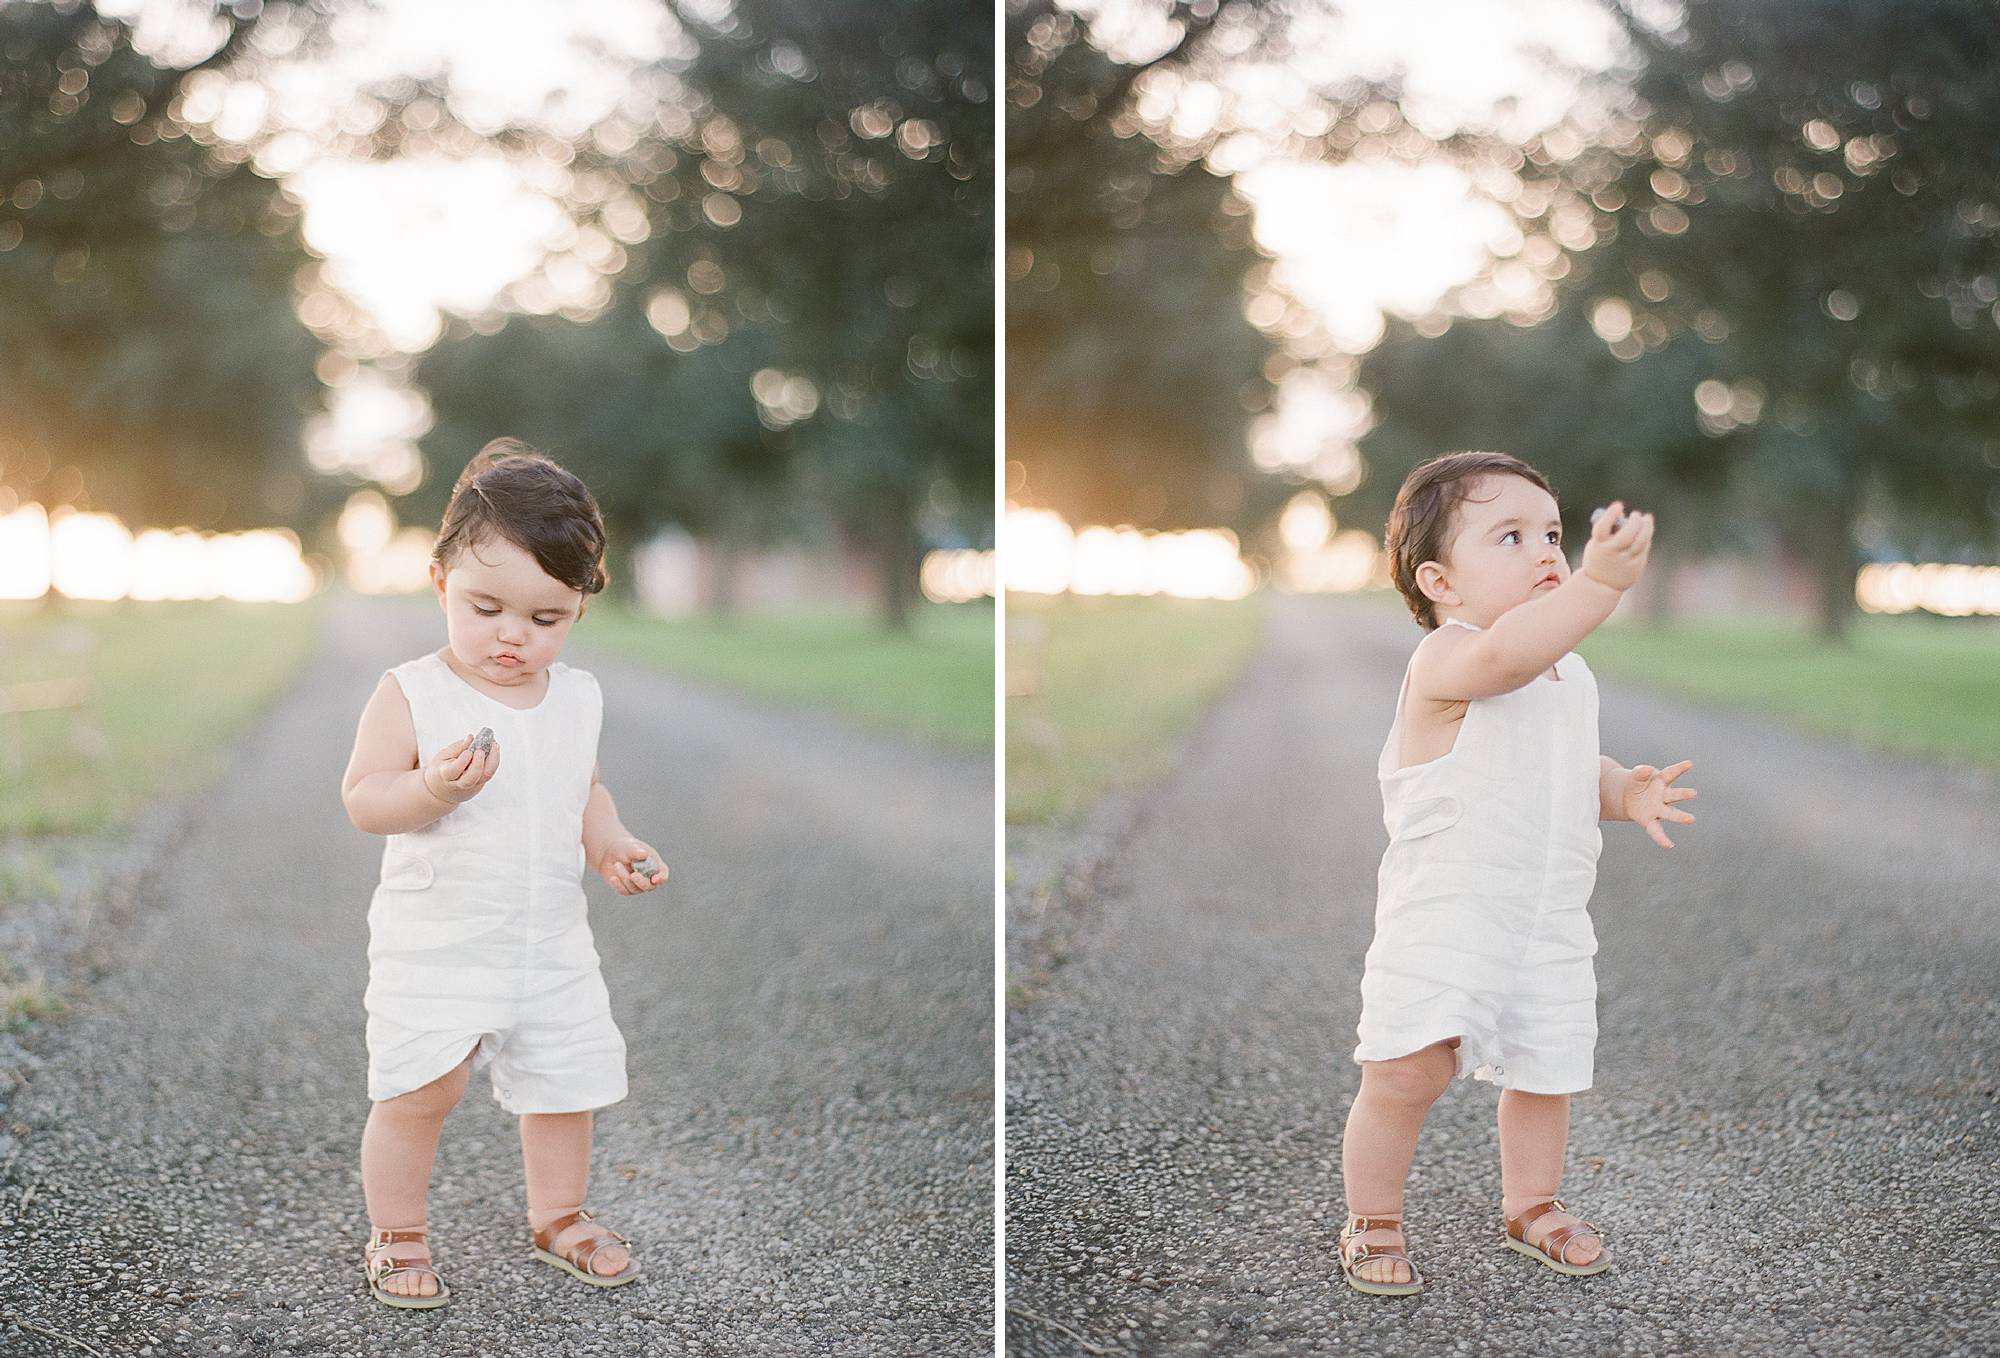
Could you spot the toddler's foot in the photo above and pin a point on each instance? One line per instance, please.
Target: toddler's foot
(398, 1264)
(1563, 1241)
(1376, 1255)
(578, 1245)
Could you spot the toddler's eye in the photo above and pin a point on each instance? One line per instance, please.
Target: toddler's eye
(1554, 534)
(1510, 533)
(484, 612)
(547, 622)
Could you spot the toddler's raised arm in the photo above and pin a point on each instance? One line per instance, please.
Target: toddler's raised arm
(1531, 636)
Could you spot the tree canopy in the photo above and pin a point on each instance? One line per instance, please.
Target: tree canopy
(150, 359)
(1783, 308)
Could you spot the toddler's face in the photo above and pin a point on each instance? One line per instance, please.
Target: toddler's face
(1505, 549)
(505, 617)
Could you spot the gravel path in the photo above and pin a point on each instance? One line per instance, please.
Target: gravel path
(1792, 1140)
(805, 1160)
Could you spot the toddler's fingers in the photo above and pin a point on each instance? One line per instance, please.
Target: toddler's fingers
(1659, 835)
(1681, 794)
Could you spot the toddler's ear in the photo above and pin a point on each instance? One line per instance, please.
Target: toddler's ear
(1431, 580)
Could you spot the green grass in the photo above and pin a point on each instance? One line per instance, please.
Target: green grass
(935, 682)
(1121, 680)
(173, 684)
(26, 998)
(1912, 685)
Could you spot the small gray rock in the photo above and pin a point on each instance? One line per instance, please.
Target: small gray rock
(483, 742)
(646, 867)
(1598, 513)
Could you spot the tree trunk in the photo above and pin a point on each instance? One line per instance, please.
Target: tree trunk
(731, 543)
(1659, 585)
(896, 545)
(1835, 557)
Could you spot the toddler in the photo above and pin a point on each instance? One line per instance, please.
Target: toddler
(479, 948)
(1492, 787)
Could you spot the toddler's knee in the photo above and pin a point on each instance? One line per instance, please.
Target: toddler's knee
(1418, 1078)
(438, 1097)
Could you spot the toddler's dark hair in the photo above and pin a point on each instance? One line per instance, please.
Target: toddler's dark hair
(509, 490)
(1420, 524)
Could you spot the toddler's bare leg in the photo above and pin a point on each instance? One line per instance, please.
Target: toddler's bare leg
(1381, 1141)
(1534, 1132)
(555, 1157)
(398, 1147)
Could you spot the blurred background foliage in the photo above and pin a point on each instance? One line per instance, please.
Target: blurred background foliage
(1750, 277)
(764, 312)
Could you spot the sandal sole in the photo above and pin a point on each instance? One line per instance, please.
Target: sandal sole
(403, 1303)
(1595, 1266)
(1409, 1289)
(594, 1279)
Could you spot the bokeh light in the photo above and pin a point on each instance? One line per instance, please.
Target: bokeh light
(82, 555)
(1044, 555)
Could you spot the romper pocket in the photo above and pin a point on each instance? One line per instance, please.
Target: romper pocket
(1428, 815)
(406, 871)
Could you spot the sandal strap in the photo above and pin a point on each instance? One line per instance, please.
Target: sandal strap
(545, 1238)
(1562, 1237)
(1517, 1226)
(1354, 1254)
(583, 1252)
(1557, 1242)
(1374, 1224)
(378, 1239)
(384, 1275)
(1363, 1253)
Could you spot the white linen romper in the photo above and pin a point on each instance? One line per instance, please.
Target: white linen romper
(478, 930)
(1481, 925)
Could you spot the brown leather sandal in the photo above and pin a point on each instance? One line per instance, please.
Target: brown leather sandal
(1554, 1249)
(380, 1266)
(1351, 1260)
(576, 1259)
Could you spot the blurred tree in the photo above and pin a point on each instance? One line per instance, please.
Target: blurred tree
(660, 437)
(1812, 189)
(802, 327)
(1132, 371)
(1554, 396)
(837, 178)
(150, 359)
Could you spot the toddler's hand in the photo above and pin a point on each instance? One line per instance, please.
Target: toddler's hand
(1616, 553)
(1649, 794)
(621, 859)
(461, 769)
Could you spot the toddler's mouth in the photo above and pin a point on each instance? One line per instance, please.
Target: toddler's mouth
(507, 658)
